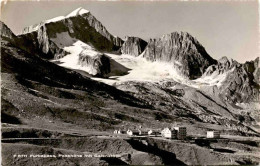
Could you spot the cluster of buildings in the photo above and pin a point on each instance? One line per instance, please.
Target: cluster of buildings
(173, 133)
(134, 132)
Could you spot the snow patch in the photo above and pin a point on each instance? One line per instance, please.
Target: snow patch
(142, 70)
(89, 51)
(213, 79)
(71, 60)
(55, 19)
(78, 11)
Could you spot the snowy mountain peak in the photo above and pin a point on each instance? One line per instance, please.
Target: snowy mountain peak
(78, 11)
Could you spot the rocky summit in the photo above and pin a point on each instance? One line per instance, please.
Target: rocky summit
(66, 89)
(6, 32)
(183, 51)
(241, 82)
(133, 46)
(54, 34)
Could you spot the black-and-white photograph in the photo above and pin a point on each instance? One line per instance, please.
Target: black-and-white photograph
(96, 82)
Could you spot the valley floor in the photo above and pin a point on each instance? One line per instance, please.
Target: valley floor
(94, 147)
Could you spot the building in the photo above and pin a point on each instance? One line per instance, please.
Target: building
(167, 133)
(213, 134)
(144, 132)
(134, 132)
(181, 132)
(117, 131)
(129, 132)
(174, 133)
(149, 132)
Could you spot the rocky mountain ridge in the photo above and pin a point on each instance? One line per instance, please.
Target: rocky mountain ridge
(50, 39)
(242, 80)
(80, 24)
(185, 53)
(171, 99)
(133, 46)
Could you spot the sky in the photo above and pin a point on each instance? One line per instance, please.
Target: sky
(224, 28)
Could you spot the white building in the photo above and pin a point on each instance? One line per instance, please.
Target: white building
(150, 132)
(129, 132)
(117, 131)
(181, 132)
(166, 132)
(213, 134)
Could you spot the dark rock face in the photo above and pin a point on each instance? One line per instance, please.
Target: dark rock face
(5, 32)
(52, 36)
(118, 41)
(99, 64)
(28, 43)
(182, 50)
(223, 65)
(133, 46)
(242, 80)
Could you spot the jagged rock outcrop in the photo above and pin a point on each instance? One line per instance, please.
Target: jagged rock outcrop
(97, 65)
(28, 43)
(133, 46)
(54, 34)
(223, 65)
(118, 41)
(241, 82)
(5, 32)
(182, 50)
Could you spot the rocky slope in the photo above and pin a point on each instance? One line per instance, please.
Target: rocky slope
(182, 102)
(133, 46)
(241, 82)
(32, 87)
(118, 41)
(54, 34)
(183, 51)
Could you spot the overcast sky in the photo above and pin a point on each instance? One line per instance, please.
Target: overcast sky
(224, 28)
